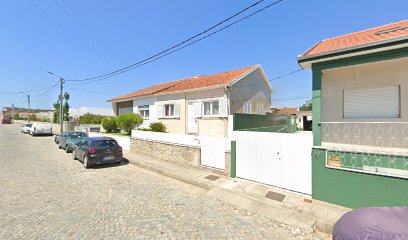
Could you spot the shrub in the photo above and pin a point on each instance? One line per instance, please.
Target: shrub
(126, 122)
(157, 127)
(144, 129)
(109, 124)
(90, 118)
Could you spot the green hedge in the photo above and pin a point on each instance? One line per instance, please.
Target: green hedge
(126, 122)
(90, 118)
(109, 124)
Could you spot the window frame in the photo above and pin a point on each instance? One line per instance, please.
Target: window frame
(165, 112)
(143, 109)
(211, 108)
(247, 107)
(260, 109)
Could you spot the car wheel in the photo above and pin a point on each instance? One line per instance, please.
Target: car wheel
(86, 163)
(66, 149)
(73, 155)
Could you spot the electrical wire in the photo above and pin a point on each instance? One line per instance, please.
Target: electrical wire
(68, 30)
(90, 91)
(271, 80)
(26, 91)
(94, 33)
(168, 50)
(82, 25)
(49, 90)
(288, 99)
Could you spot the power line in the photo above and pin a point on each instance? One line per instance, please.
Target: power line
(89, 91)
(83, 25)
(271, 80)
(288, 99)
(67, 30)
(46, 92)
(168, 50)
(27, 91)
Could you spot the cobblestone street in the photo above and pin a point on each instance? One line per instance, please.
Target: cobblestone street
(47, 195)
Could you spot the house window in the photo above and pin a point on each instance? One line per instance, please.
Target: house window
(247, 107)
(379, 102)
(211, 108)
(144, 111)
(169, 110)
(260, 108)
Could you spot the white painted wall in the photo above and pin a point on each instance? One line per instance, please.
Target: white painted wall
(174, 138)
(363, 76)
(152, 109)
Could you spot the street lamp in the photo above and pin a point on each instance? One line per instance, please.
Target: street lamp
(61, 100)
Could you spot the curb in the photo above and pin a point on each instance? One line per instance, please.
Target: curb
(171, 174)
(308, 221)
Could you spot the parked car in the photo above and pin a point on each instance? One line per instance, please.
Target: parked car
(98, 150)
(68, 140)
(41, 128)
(25, 128)
(6, 120)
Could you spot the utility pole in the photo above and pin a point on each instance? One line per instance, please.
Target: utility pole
(28, 101)
(61, 105)
(12, 110)
(61, 100)
(28, 106)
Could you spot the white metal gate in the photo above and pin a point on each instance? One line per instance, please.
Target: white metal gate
(213, 152)
(278, 159)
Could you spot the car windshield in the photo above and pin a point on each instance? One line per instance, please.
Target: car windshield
(29, 125)
(105, 143)
(77, 135)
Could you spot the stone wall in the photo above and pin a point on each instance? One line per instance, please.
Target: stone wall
(168, 152)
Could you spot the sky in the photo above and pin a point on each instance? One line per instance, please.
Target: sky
(39, 36)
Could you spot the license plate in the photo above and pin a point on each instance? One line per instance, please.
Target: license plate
(107, 158)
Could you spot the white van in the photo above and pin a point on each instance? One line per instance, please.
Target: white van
(41, 128)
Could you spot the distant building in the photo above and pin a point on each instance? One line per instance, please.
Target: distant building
(74, 114)
(23, 113)
(303, 118)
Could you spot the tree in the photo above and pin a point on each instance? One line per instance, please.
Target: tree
(126, 122)
(89, 118)
(65, 109)
(307, 106)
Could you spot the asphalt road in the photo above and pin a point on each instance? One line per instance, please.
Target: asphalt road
(44, 194)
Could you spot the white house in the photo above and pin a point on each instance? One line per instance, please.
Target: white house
(200, 105)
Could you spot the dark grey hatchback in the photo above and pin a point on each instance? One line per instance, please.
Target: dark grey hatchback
(97, 150)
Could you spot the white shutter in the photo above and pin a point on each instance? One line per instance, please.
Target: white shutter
(160, 111)
(197, 109)
(380, 102)
(176, 110)
(223, 108)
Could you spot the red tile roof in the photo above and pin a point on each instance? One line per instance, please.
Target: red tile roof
(287, 110)
(219, 79)
(372, 35)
